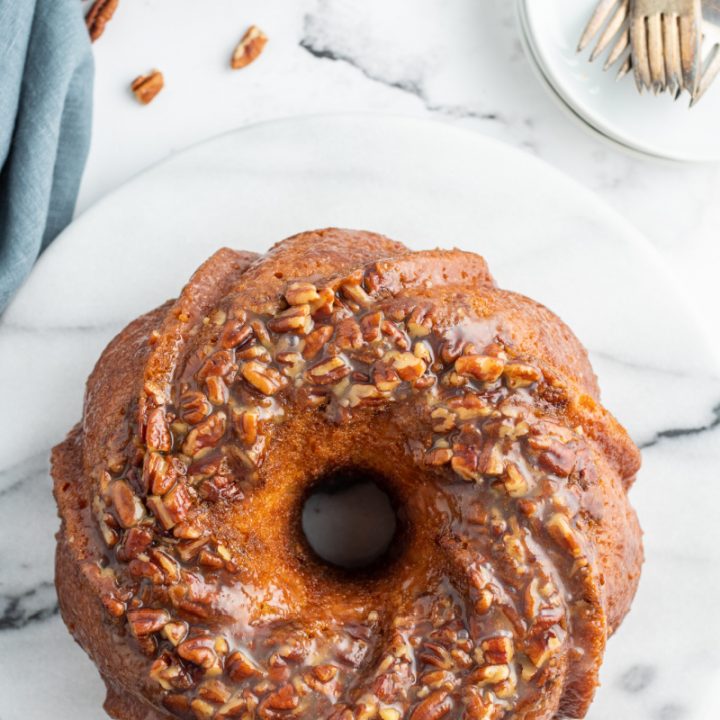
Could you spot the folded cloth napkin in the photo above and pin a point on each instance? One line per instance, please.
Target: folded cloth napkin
(46, 74)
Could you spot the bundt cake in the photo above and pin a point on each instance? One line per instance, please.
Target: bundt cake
(182, 567)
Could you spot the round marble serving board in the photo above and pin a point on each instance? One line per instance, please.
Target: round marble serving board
(425, 184)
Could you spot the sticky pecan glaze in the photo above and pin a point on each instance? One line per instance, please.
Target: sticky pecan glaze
(182, 568)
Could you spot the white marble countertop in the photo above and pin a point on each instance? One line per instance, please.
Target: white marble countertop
(459, 61)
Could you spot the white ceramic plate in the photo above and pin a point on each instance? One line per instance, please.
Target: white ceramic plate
(425, 184)
(654, 125)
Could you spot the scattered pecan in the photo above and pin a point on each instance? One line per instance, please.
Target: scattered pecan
(99, 15)
(249, 47)
(146, 87)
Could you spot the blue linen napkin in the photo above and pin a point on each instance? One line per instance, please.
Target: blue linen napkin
(46, 77)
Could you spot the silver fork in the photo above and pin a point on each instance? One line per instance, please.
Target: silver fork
(711, 35)
(665, 44)
(665, 52)
(611, 23)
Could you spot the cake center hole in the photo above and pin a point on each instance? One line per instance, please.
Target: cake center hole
(349, 520)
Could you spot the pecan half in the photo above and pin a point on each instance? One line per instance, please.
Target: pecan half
(249, 48)
(198, 651)
(300, 293)
(316, 340)
(263, 378)
(518, 375)
(146, 621)
(561, 531)
(328, 372)
(157, 433)
(436, 705)
(205, 435)
(239, 666)
(480, 367)
(498, 650)
(98, 16)
(128, 508)
(146, 87)
(235, 334)
(295, 319)
(194, 407)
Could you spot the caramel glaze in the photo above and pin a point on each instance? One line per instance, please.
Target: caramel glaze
(182, 568)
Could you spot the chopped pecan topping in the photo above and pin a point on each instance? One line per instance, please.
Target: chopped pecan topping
(561, 531)
(476, 413)
(194, 407)
(198, 651)
(329, 371)
(239, 666)
(518, 375)
(157, 433)
(480, 367)
(295, 319)
(147, 621)
(128, 508)
(263, 378)
(435, 706)
(301, 293)
(438, 456)
(205, 435)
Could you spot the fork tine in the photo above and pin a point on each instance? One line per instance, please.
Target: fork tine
(617, 50)
(710, 70)
(671, 41)
(625, 68)
(641, 64)
(601, 13)
(611, 29)
(655, 52)
(689, 53)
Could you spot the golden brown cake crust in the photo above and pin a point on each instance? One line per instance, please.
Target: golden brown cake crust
(181, 566)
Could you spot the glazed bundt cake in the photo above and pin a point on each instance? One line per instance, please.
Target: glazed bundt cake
(182, 567)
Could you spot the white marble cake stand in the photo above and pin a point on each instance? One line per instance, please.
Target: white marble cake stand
(425, 184)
